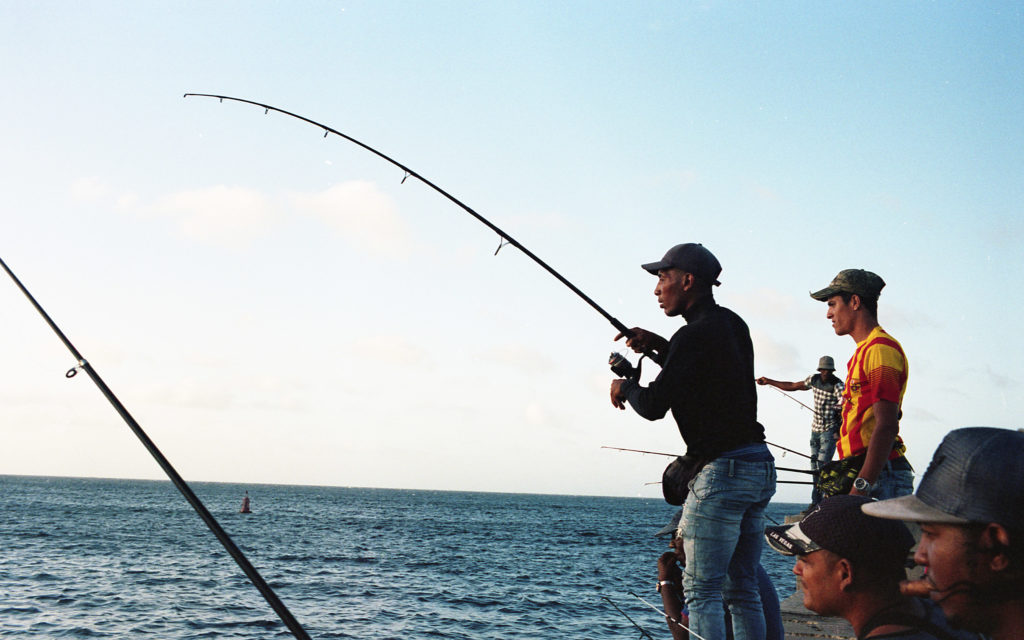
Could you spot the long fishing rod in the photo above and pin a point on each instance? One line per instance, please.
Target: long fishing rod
(670, 618)
(236, 553)
(674, 455)
(505, 238)
(643, 631)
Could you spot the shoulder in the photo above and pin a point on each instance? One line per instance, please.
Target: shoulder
(881, 347)
(727, 317)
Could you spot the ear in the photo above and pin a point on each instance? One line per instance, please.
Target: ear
(855, 302)
(995, 539)
(687, 280)
(843, 572)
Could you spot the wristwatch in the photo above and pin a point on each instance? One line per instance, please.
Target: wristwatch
(662, 583)
(860, 484)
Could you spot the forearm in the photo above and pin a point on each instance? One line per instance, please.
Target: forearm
(785, 386)
(882, 439)
(670, 600)
(646, 401)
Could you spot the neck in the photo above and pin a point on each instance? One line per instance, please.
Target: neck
(862, 607)
(1005, 620)
(698, 302)
(863, 327)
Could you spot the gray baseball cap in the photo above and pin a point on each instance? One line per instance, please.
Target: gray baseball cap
(976, 475)
(863, 283)
(672, 525)
(692, 258)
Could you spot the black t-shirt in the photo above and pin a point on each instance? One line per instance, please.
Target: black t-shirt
(707, 381)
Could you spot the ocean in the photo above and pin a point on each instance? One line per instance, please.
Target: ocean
(91, 558)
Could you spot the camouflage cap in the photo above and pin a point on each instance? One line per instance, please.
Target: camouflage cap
(863, 283)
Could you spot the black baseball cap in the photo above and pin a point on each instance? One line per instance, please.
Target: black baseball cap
(691, 257)
(839, 525)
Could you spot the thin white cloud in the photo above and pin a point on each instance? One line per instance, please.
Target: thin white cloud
(235, 216)
(365, 216)
(770, 354)
(535, 414)
(389, 350)
(770, 303)
(221, 215)
(88, 189)
(519, 357)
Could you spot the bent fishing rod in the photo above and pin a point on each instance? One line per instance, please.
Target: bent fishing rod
(82, 364)
(504, 237)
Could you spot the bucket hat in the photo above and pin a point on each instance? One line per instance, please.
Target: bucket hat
(826, 362)
(976, 475)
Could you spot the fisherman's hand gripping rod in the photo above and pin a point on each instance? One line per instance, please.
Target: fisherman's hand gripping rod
(257, 580)
(505, 238)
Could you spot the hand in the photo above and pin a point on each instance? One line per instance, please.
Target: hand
(762, 380)
(668, 569)
(618, 399)
(642, 340)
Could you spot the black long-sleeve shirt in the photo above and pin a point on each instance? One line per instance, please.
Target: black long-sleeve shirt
(707, 380)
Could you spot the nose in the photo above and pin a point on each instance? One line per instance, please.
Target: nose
(920, 556)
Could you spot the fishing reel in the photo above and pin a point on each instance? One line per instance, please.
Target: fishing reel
(623, 368)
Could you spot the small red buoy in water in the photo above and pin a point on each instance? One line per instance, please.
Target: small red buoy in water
(245, 504)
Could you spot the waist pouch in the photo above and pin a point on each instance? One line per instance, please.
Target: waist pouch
(676, 478)
(837, 477)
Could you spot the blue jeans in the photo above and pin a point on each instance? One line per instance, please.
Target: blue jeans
(894, 480)
(823, 447)
(722, 526)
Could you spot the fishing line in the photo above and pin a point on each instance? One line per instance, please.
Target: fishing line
(504, 238)
(810, 409)
(232, 549)
(688, 630)
(642, 630)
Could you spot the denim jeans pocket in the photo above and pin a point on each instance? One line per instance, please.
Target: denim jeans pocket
(704, 484)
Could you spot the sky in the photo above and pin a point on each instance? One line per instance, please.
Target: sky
(277, 307)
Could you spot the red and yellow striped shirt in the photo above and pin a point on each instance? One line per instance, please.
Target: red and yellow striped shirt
(877, 371)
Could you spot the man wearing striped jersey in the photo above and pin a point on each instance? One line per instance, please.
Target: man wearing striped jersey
(875, 383)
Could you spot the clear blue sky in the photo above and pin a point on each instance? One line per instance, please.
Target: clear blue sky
(276, 307)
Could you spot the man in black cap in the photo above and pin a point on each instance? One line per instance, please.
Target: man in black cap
(850, 565)
(707, 381)
(876, 380)
(970, 505)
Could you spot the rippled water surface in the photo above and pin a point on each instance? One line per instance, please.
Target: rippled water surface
(86, 558)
